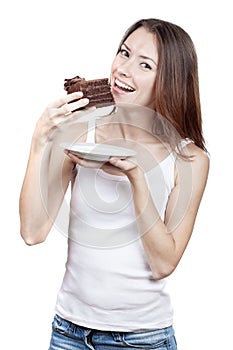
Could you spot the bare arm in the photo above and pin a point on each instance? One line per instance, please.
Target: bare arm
(165, 241)
(48, 174)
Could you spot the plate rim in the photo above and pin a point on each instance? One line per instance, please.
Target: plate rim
(68, 146)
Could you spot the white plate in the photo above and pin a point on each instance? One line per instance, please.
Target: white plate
(96, 151)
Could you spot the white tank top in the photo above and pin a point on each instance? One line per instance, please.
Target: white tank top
(108, 284)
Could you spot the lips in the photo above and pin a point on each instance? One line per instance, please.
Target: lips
(122, 86)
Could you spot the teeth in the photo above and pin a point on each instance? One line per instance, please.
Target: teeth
(123, 85)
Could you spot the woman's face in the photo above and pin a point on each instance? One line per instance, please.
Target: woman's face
(134, 69)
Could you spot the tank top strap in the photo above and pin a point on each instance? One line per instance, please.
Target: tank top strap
(91, 131)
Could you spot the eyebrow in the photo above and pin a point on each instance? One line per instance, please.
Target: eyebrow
(142, 56)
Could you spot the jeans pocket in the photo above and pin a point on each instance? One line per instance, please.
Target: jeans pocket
(60, 325)
(157, 339)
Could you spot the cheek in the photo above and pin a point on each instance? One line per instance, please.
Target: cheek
(114, 65)
(149, 87)
(113, 69)
(148, 95)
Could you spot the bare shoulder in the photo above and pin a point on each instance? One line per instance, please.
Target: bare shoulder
(198, 166)
(196, 169)
(199, 156)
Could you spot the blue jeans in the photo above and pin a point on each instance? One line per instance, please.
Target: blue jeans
(68, 336)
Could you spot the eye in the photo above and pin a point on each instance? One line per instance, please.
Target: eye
(124, 52)
(146, 66)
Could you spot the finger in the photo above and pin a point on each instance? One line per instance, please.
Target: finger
(86, 163)
(65, 99)
(116, 160)
(68, 108)
(75, 158)
(123, 163)
(72, 156)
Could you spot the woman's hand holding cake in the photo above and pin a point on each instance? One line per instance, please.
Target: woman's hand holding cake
(56, 113)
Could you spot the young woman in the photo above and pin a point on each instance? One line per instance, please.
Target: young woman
(130, 219)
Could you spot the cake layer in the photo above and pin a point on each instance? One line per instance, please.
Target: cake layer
(98, 91)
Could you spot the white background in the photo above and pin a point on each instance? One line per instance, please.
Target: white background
(42, 42)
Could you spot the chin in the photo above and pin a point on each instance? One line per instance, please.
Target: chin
(124, 99)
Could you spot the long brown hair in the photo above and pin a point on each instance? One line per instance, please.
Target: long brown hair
(177, 85)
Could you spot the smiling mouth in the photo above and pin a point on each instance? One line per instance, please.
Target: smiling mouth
(123, 86)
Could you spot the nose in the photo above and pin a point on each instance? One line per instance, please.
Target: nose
(125, 68)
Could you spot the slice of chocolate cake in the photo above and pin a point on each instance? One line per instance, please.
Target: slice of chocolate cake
(98, 91)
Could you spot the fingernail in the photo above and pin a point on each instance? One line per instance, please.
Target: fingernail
(78, 93)
(85, 100)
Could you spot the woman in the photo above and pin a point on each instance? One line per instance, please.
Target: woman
(113, 295)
